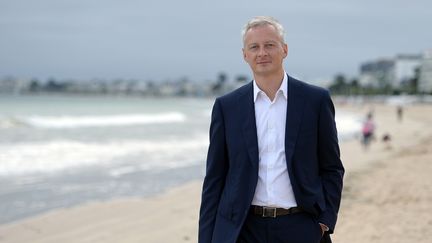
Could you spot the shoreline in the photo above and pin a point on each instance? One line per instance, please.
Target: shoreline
(372, 180)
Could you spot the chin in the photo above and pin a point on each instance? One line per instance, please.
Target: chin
(264, 70)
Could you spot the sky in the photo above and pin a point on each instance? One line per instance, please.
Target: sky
(164, 40)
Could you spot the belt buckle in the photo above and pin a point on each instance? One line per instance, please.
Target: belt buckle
(268, 212)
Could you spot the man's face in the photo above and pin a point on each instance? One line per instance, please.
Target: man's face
(264, 51)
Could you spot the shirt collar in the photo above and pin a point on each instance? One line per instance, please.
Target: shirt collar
(282, 89)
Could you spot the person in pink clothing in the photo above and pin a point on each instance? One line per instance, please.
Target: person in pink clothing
(368, 130)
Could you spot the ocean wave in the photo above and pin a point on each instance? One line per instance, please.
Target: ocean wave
(53, 156)
(10, 122)
(59, 122)
(348, 125)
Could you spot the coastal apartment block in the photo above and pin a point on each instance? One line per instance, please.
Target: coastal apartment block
(425, 79)
(390, 72)
(398, 71)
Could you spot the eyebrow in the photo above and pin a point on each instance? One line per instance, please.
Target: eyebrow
(270, 41)
(265, 42)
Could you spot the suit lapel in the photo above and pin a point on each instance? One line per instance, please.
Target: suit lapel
(246, 111)
(294, 116)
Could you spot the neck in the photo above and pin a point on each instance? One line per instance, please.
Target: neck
(270, 83)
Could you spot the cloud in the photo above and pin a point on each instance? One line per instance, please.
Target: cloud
(170, 39)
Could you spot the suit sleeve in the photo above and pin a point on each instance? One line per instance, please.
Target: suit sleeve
(331, 168)
(214, 181)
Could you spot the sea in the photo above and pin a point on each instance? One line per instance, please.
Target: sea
(61, 151)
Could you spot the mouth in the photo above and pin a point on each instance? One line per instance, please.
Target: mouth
(263, 62)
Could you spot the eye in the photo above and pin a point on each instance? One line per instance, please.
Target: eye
(269, 45)
(253, 47)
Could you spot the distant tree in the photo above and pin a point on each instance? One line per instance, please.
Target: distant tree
(355, 83)
(221, 80)
(54, 86)
(222, 77)
(51, 85)
(355, 88)
(34, 85)
(241, 78)
(339, 85)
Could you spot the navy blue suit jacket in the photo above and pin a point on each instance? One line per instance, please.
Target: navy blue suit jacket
(312, 156)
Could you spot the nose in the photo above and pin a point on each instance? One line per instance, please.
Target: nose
(262, 52)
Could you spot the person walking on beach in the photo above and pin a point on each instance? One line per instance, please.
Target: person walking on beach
(399, 112)
(273, 170)
(368, 130)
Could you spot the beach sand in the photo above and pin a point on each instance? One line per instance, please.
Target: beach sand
(387, 196)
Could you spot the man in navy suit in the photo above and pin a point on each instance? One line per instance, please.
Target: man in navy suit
(273, 172)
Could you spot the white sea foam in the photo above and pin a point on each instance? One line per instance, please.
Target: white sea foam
(52, 156)
(119, 156)
(116, 172)
(206, 113)
(103, 121)
(401, 100)
(10, 122)
(347, 125)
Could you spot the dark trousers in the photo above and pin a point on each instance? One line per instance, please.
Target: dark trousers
(292, 228)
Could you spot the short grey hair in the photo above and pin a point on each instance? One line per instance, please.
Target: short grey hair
(261, 21)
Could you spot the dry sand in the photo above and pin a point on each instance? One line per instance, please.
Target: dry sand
(390, 199)
(387, 197)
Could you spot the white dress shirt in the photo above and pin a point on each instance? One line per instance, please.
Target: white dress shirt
(274, 186)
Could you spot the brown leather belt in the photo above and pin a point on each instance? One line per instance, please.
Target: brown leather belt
(271, 212)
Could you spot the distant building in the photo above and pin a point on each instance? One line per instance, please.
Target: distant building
(404, 69)
(425, 80)
(389, 72)
(10, 85)
(7, 85)
(376, 73)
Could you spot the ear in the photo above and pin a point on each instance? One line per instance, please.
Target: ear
(244, 54)
(285, 49)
